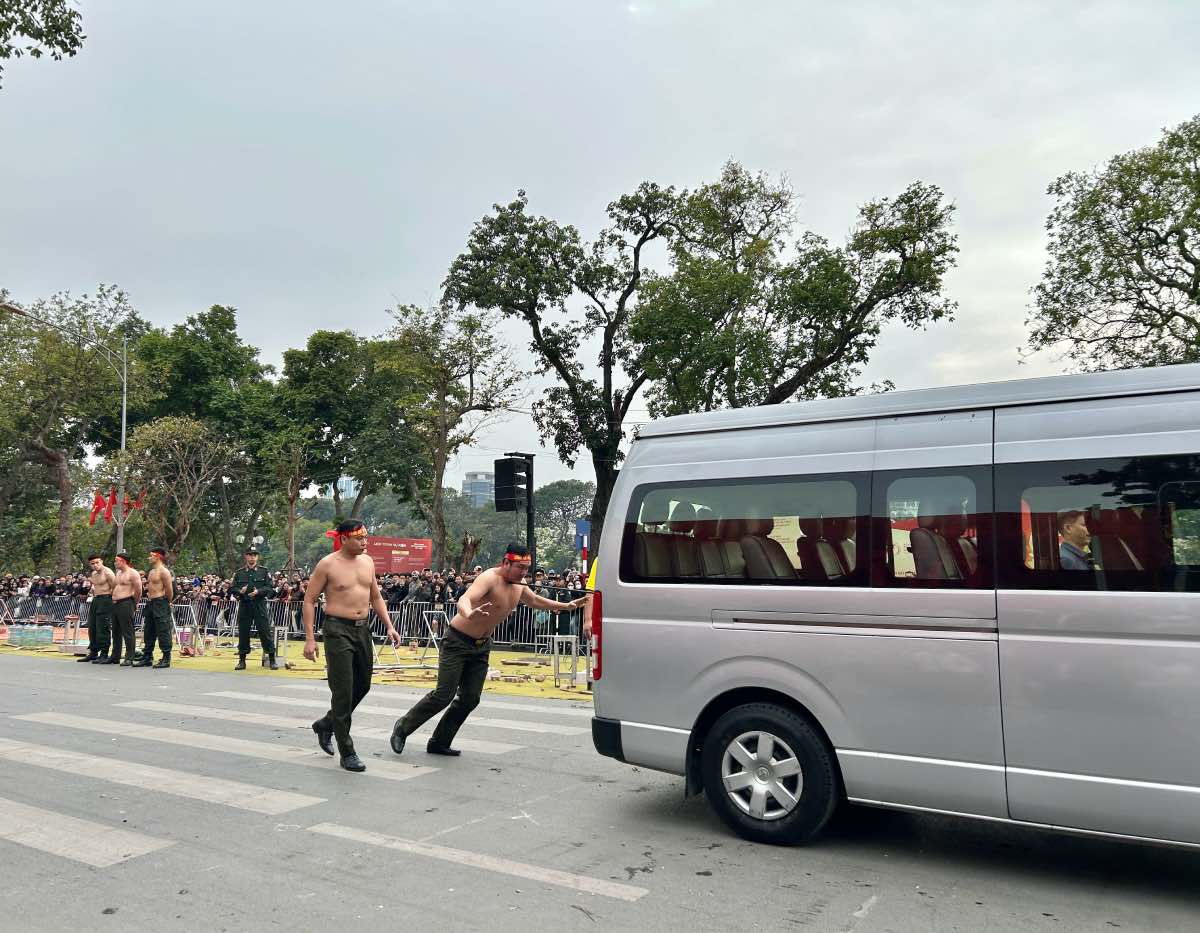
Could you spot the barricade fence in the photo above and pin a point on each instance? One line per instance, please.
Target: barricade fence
(525, 628)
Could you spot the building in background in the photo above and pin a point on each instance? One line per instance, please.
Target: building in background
(479, 487)
(347, 487)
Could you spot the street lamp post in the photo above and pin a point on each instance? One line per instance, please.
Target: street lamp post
(110, 357)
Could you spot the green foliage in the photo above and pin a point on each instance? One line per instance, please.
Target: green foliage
(754, 315)
(1121, 286)
(35, 27)
(557, 506)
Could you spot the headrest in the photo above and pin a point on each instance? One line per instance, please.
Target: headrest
(835, 529)
(706, 524)
(1105, 522)
(928, 514)
(683, 518)
(954, 525)
(656, 508)
(811, 527)
(757, 527)
(730, 529)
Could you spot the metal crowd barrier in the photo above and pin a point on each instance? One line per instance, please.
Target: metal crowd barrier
(218, 618)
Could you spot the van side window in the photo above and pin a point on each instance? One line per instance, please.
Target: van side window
(934, 528)
(1128, 523)
(792, 531)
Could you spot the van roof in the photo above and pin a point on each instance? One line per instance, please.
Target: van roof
(1177, 378)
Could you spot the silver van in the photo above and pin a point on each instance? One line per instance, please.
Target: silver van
(982, 601)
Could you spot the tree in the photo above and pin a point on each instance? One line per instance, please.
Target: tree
(559, 504)
(528, 267)
(1121, 286)
(206, 371)
(173, 461)
(43, 25)
(59, 386)
(460, 378)
(753, 316)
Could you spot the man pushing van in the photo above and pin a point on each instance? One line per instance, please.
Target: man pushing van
(463, 660)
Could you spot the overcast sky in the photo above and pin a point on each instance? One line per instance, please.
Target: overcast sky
(313, 164)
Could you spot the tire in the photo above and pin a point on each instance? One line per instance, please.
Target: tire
(786, 800)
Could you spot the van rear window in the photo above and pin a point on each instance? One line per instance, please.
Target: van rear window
(809, 530)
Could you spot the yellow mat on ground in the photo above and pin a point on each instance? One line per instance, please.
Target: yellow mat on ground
(527, 675)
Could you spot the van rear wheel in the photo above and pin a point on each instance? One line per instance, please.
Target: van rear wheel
(769, 774)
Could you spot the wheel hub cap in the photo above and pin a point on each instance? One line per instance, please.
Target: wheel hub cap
(762, 775)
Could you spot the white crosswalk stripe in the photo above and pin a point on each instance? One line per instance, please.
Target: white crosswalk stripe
(308, 757)
(375, 709)
(163, 780)
(581, 883)
(69, 837)
(564, 709)
(286, 722)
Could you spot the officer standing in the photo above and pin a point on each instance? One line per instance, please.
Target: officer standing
(252, 587)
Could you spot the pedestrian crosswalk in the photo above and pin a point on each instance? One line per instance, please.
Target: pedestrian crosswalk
(395, 712)
(285, 722)
(79, 840)
(212, 772)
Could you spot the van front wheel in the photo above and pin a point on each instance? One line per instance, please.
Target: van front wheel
(769, 774)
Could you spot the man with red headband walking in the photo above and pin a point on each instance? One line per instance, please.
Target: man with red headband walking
(347, 578)
(466, 647)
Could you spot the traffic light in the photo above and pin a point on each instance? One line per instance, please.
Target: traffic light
(512, 484)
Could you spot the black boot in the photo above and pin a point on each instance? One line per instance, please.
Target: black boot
(436, 748)
(147, 660)
(398, 738)
(352, 762)
(273, 665)
(90, 656)
(165, 661)
(241, 664)
(324, 736)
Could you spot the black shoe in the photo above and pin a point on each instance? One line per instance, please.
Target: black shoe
(87, 658)
(128, 662)
(146, 661)
(324, 737)
(352, 762)
(274, 665)
(108, 660)
(241, 664)
(433, 748)
(398, 738)
(101, 659)
(165, 661)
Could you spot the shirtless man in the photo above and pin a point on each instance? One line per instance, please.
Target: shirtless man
(100, 611)
(156, 622)
(127, 590)
(463, 661)
(347, 578)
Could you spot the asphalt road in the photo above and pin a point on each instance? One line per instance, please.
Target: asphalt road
(172, 800)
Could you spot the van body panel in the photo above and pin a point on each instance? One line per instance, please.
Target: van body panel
(962, 786)
(1102, 689)
(958, 438)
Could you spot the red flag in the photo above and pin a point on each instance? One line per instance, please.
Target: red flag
(97, 507)
(112, 504)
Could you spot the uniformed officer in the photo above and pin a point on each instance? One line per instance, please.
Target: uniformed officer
(252, 588)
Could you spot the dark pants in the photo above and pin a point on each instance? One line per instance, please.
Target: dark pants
(156, 623)
(251, 613)
(349, 658)
(462, 671)
(123, 628)
(100, 625)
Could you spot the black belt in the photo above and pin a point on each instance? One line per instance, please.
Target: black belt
(124, 599)
(107, 596)
(463, 636)
(357, 623)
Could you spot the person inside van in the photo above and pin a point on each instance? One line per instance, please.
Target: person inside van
(1072, 525)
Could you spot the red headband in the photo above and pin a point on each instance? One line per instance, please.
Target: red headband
(513, 558)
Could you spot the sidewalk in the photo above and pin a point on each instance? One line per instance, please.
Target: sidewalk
(522, 668)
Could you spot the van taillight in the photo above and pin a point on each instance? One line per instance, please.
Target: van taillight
(597, 635)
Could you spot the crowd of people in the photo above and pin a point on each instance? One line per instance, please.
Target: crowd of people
(439, 588)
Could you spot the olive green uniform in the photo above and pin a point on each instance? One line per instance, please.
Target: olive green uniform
(253, 610)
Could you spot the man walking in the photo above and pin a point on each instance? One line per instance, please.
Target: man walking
(127, 590)
(347, 578)
(252, 587)
(100, 610)
(156, 621)
(463, 662)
